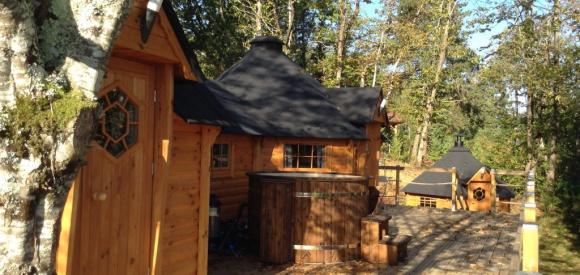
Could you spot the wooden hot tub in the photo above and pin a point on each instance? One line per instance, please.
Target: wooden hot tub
(306, 217)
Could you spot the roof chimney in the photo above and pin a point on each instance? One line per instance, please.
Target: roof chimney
(267, 42)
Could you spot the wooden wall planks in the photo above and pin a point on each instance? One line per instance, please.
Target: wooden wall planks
(252, 153)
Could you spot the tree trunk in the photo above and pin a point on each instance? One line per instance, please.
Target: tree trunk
(555, 122)
(258, 18)
(41, 42)
(363, 76)
(378, 58)
(423, 140)
(415, 148)
(290, 25)
(345, 24)
(341, 41)
(529, 130)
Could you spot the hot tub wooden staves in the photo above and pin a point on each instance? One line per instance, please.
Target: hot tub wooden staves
(307, 217)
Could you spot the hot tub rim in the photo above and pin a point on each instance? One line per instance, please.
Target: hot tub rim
(302, 175)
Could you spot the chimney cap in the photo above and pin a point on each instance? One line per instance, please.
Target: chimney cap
(269, 42)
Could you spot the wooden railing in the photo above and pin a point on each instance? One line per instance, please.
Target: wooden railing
(398, 170)
(529, 239)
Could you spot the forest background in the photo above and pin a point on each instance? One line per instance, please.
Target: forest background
(501, 73)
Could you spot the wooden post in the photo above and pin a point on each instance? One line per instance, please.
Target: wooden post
(530, 238)
(453, 189)
(530, 247)
(208, 136)
(397, 184)
(493, 191)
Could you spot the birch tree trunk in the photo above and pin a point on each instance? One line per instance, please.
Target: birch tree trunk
(43, 44)
(426, 124)
(378, 58)
(258, 18)
(290, 26)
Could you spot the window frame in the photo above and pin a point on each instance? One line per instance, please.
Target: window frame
(314, 157)
(228, 156)
(427, 202)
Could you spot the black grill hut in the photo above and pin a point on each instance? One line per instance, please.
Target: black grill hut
(433, 189)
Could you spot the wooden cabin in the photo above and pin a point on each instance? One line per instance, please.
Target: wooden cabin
(140, 204)
(279, 118)
(433, 189)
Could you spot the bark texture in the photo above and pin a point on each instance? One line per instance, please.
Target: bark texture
(422, 149)
(41, 41)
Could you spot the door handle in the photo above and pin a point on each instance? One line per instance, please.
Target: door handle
(99, 196)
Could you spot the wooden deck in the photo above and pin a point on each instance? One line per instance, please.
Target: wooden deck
(444, 242)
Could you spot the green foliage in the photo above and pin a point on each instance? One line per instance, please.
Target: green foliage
(559, 246)
(35, 123)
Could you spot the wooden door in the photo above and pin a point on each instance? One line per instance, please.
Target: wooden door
(115, 203)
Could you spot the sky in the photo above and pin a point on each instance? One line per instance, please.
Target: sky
(476, 40)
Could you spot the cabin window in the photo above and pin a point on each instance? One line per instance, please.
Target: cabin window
(220, 157)
(303, 156)
(118, 119)
(479, 194)
(427, 202)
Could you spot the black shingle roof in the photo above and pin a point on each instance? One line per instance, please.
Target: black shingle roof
(268, 94)
(358, 105)
(196, 104)
(439, 184)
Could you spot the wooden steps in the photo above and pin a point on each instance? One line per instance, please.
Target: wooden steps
(377, 246)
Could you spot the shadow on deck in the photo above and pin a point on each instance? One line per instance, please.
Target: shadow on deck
(444, 242)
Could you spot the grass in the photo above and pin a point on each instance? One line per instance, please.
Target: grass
(559, 252)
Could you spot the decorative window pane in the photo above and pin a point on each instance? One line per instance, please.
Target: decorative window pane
(479, 194)
(303, 156)
(220, 156)
(117, 122)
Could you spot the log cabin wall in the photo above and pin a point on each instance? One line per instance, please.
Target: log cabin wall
(253, 153)
(184, 228)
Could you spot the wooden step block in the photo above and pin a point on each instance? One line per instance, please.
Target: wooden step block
(376, 227)
(397, 248)
(376, 253)
(373, 228)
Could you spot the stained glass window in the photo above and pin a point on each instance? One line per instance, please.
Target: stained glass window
(118, 119)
